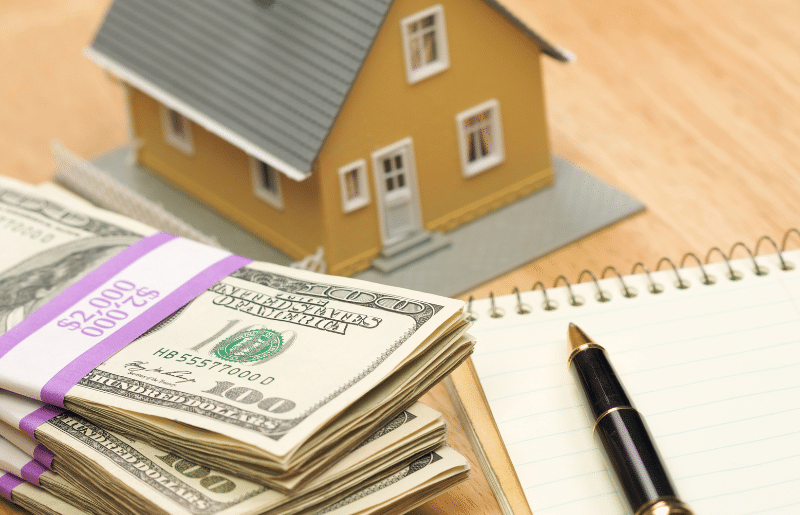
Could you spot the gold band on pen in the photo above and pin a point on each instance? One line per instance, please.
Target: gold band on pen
(665, 506)
(618, 408)
(587, 345)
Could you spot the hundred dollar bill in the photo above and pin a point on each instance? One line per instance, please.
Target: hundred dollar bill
(17, 470)
(37, 500)
(397, 492)
(137, 478)
(271, 374)
(49, 244)
(420, 481)
(96, 491)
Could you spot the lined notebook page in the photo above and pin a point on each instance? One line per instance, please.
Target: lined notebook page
(715, 369)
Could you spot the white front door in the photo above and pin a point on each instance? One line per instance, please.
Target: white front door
(396, 184)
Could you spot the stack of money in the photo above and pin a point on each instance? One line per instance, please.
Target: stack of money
(137, 478)
(282, 382)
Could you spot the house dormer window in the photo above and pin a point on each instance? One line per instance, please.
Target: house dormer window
(266, 183)
(177, 130)
(425, 43)
(480, 138)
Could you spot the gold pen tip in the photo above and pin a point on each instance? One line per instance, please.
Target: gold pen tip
(577, 337)
(579, 342)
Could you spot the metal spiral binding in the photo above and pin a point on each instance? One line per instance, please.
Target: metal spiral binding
(495, 312)
(707, 279)
(471, 316)
(601, 295)
(653, 287)
(733, 275)
(627, 291)
(573, 299)
(522, 309)
(681, 284)
(784, 264)
(786, 237)
(549, 305)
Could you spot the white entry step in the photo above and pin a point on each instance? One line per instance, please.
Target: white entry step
(419, 244)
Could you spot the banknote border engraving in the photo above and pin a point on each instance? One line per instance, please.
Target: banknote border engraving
(58, 213)
(213, 506)
(302, 287)
(59, 424)
(415, 466)
(396, 423)
(120, 386)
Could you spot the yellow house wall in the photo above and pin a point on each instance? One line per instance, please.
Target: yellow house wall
(218, 174)
(490, 58)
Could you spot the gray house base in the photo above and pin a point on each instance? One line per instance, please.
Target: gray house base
(577, 205)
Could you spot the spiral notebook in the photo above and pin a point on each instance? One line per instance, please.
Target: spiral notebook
(712, 362)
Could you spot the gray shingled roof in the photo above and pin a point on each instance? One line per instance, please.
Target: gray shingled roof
(270, 81)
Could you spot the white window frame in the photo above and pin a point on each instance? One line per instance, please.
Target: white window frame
(362, 199)
(497, 155)
(183, 142)
(442, 61)
(273, 198)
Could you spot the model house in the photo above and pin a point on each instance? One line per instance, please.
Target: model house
(358, 126)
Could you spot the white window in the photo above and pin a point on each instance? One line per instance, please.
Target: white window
(480, 138)
(177, 130)
(266, 183)
(425, 44)
(353, 182)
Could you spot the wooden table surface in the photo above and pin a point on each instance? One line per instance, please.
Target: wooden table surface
(692, 106)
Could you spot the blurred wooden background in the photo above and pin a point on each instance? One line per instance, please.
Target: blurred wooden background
(692, 106)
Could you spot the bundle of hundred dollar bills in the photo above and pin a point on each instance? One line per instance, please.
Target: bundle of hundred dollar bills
(143, 373)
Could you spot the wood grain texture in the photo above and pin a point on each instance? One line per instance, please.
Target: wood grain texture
(692, 106)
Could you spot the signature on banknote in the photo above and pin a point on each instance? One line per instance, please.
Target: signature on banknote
(182, 376)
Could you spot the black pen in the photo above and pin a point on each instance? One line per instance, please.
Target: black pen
(621, 431)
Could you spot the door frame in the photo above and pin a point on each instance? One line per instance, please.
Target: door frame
(407, 146)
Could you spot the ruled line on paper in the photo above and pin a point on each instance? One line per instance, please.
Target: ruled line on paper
(719, 356)
(793, 341)
(760, 487)
(715, 378)
(559, 433)
(772, 508)
(525, 369)
(743, 467)
(644, 348)
(666, 435)
(573, 501)
(585, 474)
(516, 394)
(723, 400)
(546, 412)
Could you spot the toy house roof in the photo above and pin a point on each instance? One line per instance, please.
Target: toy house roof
(270, 80)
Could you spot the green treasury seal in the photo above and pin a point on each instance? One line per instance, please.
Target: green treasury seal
(253, 346)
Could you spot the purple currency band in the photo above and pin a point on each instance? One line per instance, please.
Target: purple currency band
(9, 482)
(57, 387)
(44, 456)
(78, 290)
(32, 471)
(30, 422)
